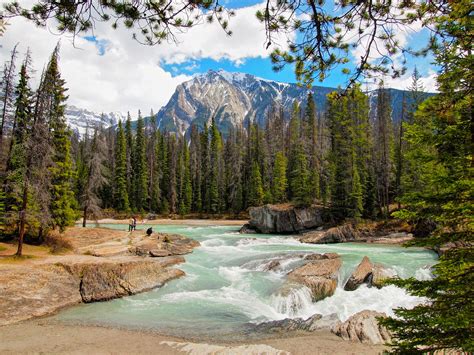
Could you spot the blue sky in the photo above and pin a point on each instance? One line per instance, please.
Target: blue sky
(106, 70)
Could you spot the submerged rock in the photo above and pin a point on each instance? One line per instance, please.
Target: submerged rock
(363, 327)
(311, 324)
(247, 229)
(320, 276)
(284, 218)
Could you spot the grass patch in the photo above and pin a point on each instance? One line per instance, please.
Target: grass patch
(2, 248)
(13, 259)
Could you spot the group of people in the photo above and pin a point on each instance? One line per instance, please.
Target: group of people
(133, 226)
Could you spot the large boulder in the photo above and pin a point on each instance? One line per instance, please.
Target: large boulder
(362, 274)
(121, 276)
(339, 234)
(285, 218)
(363, 327)
(319, 275)
(370, 274)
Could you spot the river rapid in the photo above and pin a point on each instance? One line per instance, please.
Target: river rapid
(228, 287)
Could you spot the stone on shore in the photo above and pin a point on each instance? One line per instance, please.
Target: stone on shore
(284, 218)
(320, 276)
(311, 324)
(363, 327)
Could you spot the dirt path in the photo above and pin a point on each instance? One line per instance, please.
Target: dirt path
(44, 336)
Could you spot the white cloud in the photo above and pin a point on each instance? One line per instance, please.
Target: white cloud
(128, 75)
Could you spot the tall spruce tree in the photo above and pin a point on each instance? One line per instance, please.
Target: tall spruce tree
(120, 174)
(141, 169)
(280, 182)
(62, 196)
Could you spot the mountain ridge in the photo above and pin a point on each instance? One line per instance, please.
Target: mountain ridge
(232, 99)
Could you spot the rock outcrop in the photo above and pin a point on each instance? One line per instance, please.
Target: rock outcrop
(368, 273)
(156, 245)
(363, 327)
(319, 275)
(159, 245)
(340, 234)
(285, 218)
(44, 287)
(114, 264)
(310, 324)
(108, 278)
(362, 274)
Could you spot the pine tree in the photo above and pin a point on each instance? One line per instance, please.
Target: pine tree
(215, 152)
(130, 161)
(311, 134)
(280, 183)
(256, 193)
(7, 98)
(141, 169)
(120, 176)
(186, 192)
(383, 149)
(298, 175)
(62, 201)
(95, 178)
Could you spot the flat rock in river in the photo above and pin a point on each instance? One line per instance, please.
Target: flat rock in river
(320, 276)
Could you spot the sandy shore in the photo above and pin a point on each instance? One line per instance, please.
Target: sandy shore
(168, 221)
(49, 337)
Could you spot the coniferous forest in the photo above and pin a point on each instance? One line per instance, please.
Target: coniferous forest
(350, 157)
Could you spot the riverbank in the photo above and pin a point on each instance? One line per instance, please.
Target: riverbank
(46, 336)
(169, 221)
(95, 264)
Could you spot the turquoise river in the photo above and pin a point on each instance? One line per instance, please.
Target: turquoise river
(227, 287)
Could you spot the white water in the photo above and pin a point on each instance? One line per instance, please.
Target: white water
(228, 286)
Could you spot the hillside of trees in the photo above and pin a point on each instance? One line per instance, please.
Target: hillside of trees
(351, 160)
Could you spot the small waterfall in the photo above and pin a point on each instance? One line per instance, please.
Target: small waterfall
(296, 303)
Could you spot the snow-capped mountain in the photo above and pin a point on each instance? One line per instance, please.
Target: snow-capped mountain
(81, 120)
(231, 99)
(234, 98)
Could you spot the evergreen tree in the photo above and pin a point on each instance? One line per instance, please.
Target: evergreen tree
(7, 98)
(140, 164)
(256, 193)
(130, 161)
(215, 151)
(120, 176)
(62, 197)
(95, 178)
(280, 183)
(443, 127)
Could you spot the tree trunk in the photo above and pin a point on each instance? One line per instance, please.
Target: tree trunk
(84, 217)
(22, 220)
